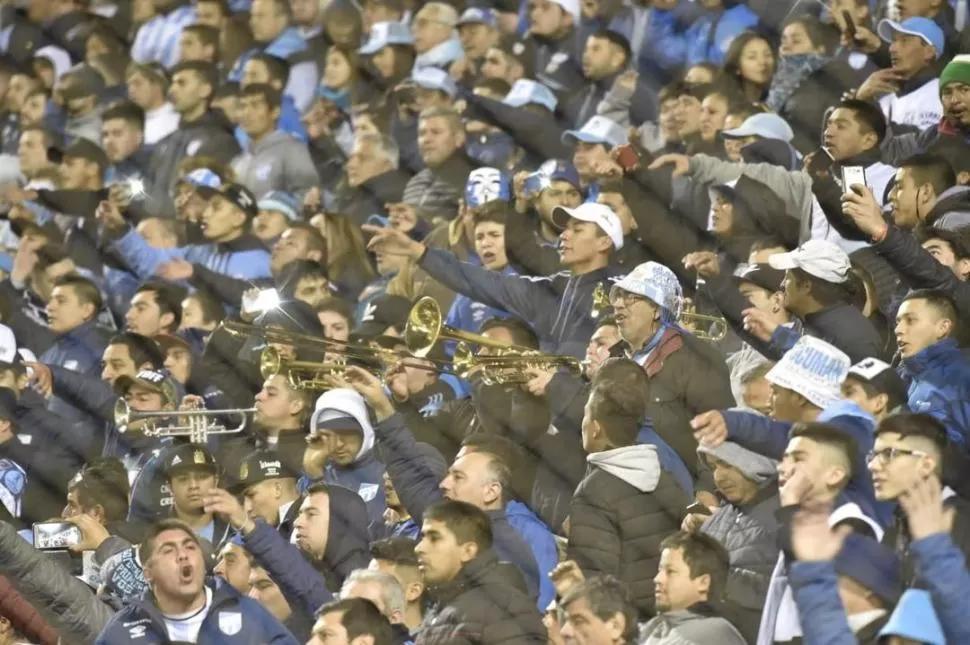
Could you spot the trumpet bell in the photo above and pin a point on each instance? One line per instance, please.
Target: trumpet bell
(423, 326)
(270, 363)
(122, 414)
(601, 301)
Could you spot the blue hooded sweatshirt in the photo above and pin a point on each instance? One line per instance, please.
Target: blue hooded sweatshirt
(542, 543)
(939, 385)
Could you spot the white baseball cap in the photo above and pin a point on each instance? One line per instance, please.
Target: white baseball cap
(814, 369)
(9, 352)
(819, 258)
(599, 214)
(569, 6)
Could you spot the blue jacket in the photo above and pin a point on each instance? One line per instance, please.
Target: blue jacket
(768, 437)
(540, 539)
(703, 46)
(939, 385)
(233, 619)
(664, 45)
(242, 258)
(79, 350)
(366, 478)
(468, 314)
(417, 487)
(297, 578)
(943, 570)
(815, 587)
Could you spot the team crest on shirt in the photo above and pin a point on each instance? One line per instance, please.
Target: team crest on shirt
(230, 622)
(367, 492)
(263, 171)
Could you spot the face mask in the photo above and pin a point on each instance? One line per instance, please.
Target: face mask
(492, 149)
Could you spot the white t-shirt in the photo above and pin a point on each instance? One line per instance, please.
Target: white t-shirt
(185, 627)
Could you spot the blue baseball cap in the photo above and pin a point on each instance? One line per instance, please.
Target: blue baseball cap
(923, 28)
(478, 15)
(486, 185)
(526, 92)
(766, 125)
(205, 181)
(383, 34)
(560, 170)
(280, 202)
(599, 129)
(432, 78)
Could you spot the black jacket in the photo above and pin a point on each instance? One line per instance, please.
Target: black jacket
(481, 606)
(622, 511)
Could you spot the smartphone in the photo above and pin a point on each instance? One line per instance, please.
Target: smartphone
(55, 535)
(262, 301)
(851, 176)
(627, 157)
(698, 509)
(850, 30)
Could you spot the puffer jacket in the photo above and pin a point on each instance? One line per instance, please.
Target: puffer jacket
(277, 162)
(699, 624)
(749, 533)
(939, 385)
(63, 601)
(623, 509)
(481, 607)
(231, 619)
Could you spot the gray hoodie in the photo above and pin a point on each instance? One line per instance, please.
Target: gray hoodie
(636, 465)
(698, 625)
(277, 162)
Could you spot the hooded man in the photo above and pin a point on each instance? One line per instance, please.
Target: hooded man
(745, 524)
(341, 444)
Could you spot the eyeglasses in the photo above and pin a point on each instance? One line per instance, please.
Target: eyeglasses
(618, 295)
(887, 455)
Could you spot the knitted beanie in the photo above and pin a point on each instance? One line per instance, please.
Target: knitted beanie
(956, 71)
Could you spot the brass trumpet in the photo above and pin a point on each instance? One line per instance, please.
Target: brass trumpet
(508, 366)
(197, 424)
(425, 327)
(301, 375)
(704, 326)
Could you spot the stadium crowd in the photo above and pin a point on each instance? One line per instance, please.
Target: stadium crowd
(484, 322)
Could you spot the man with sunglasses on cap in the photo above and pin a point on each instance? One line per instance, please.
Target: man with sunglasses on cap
(230, 248)
(559, 306)
(268, 489)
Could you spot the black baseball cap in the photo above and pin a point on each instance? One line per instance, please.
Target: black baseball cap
(241, 198)
(761, 275)
(81, 148)
(384, 312)
(259, 467)
(881, 376)
(189, 457)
